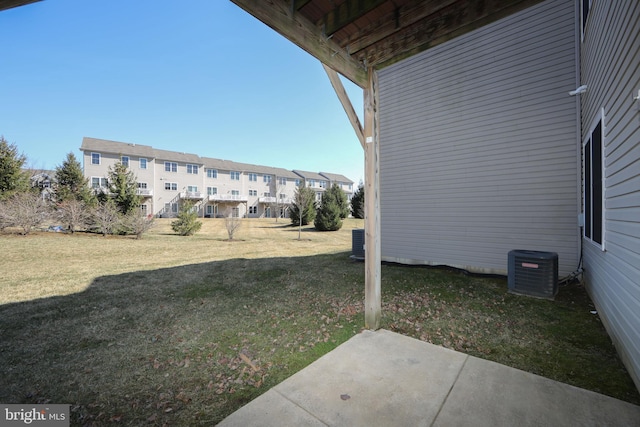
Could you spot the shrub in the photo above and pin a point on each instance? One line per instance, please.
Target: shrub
(187, 223)
(328, 217)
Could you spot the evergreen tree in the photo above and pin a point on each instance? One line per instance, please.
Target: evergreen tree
(340, 198)
(187, 222)
(13, 179)
(304, 197)
(70, 183)
(329, 215)
(123, 189)
(357, 202)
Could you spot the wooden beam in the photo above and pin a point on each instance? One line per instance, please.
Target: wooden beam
(338, 87)
(347, 12)
(372, 256)
(277, 14)
(388, 44)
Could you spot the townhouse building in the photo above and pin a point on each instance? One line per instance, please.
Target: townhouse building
(216, 187)
(321, 181)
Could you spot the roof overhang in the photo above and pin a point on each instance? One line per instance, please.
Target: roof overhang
(352, 36)
(8, 4)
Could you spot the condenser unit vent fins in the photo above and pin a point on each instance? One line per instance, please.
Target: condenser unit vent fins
(533, 273)
(357, 243)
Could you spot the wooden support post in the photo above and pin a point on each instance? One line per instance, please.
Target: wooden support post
(373, 295)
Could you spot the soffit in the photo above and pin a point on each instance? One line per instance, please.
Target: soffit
(351, 36)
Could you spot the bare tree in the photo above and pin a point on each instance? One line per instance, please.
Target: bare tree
(232, 222)
(138, 224)
(106, 218)
(27, 210)
(73, 213)
(278, 203)
(6, 217)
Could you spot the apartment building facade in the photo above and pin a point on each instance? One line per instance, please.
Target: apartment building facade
(217, 188)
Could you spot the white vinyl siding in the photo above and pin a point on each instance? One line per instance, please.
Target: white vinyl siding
(478, 146)
(610, 60)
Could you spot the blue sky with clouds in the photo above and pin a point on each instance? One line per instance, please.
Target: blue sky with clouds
(199, 76)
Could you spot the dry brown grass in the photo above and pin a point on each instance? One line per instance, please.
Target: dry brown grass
(172, 330)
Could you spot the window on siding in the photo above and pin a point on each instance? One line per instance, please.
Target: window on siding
(235, 192)
(192, 169)
(171, 186)
(211, 191)
(143, 163)
(253, 192)
(235, 176)
(212, 173)
(282, 181)
(95, 158)
(593, 185)
(253, 177)
(170, 167)
(266, 178)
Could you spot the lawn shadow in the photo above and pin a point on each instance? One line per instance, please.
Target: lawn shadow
(166, 344)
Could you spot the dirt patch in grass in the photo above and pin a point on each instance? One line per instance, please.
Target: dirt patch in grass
(185, 330)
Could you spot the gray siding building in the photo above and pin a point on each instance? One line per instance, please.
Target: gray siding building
(479, 146)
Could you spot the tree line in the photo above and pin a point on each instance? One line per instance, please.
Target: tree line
(27, 202)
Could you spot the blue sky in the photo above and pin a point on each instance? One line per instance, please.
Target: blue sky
(199, 76)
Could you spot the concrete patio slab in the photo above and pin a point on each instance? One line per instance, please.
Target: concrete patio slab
(386, 379)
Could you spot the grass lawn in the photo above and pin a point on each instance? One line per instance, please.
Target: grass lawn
(185, 330)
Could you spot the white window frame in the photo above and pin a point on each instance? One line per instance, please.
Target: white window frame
(170, 166)
(102, 182)
(173, 186)
(211, 191)
(588, 151)
(192, 188)
(125, 160)
(212, 173)
(282, 181)
(266, 179)
(142, 163)
(235, 175)
(235, 192)
(253, 192)
(142, 186)
(95, 156)
(253, 177)
(192, 169)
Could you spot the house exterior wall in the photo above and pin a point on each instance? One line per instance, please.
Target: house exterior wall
(478, 146)
(610, 67)
(248, 193)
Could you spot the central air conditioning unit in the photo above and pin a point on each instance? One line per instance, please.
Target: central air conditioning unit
(533, 273)
(357, 244)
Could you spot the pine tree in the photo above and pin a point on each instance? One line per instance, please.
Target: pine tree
(357, 202)
(123, 188)
(187, 222)
(329, 215)
(12, 177)
(70, 183)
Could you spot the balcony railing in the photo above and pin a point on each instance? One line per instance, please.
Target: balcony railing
(228, 198)
(191, 195)
(267, 199)
(144, 192)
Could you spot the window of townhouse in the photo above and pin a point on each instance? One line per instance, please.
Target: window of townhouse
(170, 167)
(594, 183)
(124, 160)
(235, 176)
(267, 178)
(211, 191)
(212, 173)
(192, 169)
(142, 163)
(253, 177)
(95, 158)
(171, 186)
